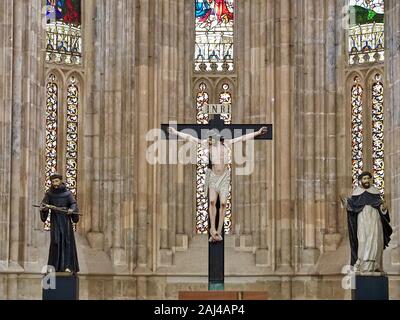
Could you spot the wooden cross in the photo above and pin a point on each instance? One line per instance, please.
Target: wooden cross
(216, 264)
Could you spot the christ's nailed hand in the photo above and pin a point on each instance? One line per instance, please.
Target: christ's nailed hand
(263, 131)
(171, 130)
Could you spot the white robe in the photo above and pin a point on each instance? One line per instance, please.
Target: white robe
(370, 236)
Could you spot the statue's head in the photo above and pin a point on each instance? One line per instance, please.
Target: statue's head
(365, 179)
(56, 180)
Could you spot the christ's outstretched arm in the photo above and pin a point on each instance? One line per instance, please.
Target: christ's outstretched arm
(249, 136)
(185, 136)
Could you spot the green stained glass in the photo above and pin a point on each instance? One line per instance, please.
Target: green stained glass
(366, 31)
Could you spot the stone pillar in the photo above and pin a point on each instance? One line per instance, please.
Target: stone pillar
(164, 55)
(317, 94)
(142, 128)
(186, 177)
(284, 136)
(6, 52)
(88, 124)
(239, 183)
(333, 57)
(119, 144)
(21, 126)
(186, 28)
(96, 104)
(269, 236)
(169, 78)
(309, 118)
(254, 110)
(343, 118)
(263, 108)
(108, 110)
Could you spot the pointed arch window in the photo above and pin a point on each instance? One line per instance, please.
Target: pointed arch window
(202, 99)
(62, 131)
(367, 128)
(378, 150)
(51, 127)
(71, 171)
(357, 129)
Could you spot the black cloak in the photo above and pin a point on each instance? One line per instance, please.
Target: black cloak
(355, 204)
(62, 253)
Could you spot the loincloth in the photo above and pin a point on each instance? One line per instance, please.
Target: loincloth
(220, 183)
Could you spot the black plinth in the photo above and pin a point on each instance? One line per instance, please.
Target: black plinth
(370, 288)
(216, 265)
(60, 287)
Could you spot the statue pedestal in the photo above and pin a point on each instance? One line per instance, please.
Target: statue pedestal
(374, 286)
(60, 286)
(216, 272)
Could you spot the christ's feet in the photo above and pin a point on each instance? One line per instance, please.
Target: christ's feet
(214, 236)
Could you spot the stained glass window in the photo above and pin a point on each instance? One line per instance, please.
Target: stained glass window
(214, 35)
(202, 99)
(357, 130)
(202, 161)
(226, 97)
(51, 133)
(377, 133)
(72, 134)
(51, 127)
(63, 35)
(366, 31)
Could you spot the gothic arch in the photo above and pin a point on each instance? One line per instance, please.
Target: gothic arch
(58, 73)
(209, 89)
(366, 131)
(231, 89)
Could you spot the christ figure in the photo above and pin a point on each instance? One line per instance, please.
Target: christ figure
(218, 177)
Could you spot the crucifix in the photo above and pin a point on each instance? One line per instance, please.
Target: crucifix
(217, 177)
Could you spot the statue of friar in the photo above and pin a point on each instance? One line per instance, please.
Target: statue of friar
(63, 256)
(368, 223)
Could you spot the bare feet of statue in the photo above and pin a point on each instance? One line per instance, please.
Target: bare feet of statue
(68, 270)
(219, 238)
(214, 235)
